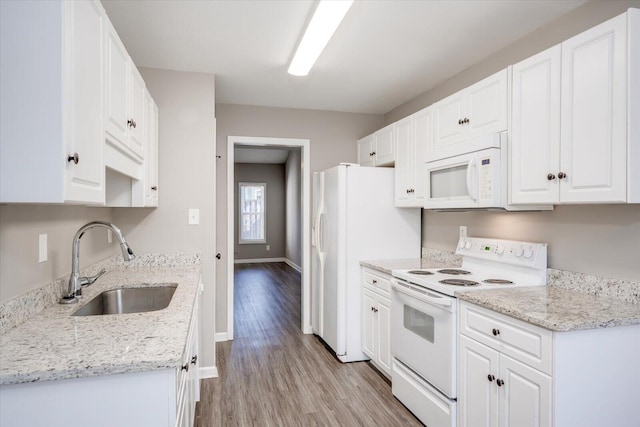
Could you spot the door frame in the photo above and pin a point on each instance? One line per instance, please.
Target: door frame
(305, 173)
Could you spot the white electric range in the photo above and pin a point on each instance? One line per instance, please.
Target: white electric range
(424, 318)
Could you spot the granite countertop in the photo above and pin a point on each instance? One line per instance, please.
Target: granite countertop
(555, 308)
(54, 345)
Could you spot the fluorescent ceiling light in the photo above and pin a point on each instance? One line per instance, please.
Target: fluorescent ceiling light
(323, 24)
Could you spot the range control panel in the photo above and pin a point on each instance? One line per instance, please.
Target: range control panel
(507, 251)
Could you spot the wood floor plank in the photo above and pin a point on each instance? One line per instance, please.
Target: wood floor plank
(272, 374)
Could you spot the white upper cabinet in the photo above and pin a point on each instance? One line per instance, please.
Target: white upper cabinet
(478, 110)
(574, 138)
(412, 134)
(125, 103)
(51, 108)
(594, 114)
(534, 155)
(378, 149)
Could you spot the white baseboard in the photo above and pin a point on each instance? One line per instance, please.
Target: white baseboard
(264, 260)
(293, 265)
(221, 336)
(208, 372)
(258, 260)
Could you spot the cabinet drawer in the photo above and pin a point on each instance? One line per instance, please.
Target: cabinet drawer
(378, 281)
(523, 341)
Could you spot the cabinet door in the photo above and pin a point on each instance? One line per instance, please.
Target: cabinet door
(84, 87)
(383, 315)
(117, 88)
(593, 128)
(384, 146)
(423, 133)
(151, 155)
(525, 396)
(368, 323)
(477, 389)
(449, 129)
(365, 150)
(138, 109)
(534, 155)
(404, 162)
(487, 105)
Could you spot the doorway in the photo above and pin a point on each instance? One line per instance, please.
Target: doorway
(305, 174)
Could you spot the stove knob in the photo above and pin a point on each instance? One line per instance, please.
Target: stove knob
(461, 244)
(500, 250)
(467, 245)
(519, 252)
(528, 252)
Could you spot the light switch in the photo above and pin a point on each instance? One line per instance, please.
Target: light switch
(194, 216)
(268, 247)
(42, 248)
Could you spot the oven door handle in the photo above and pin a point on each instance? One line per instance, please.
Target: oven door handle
(425, 296)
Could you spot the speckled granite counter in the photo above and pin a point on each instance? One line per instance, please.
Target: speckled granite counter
(430, 259)
(54, 345)
(556, 308)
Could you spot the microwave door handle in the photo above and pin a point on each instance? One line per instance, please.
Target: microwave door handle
(470, 167)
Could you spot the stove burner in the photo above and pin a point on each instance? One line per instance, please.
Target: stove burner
(459, 282)
(455, 271)
(498, 281)
(420, 272)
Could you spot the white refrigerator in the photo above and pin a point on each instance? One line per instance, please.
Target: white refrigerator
(354, 219)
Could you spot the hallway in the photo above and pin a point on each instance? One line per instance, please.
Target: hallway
(272, 374)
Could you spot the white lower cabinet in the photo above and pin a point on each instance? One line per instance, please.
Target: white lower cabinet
(514, 374)
(376, 319)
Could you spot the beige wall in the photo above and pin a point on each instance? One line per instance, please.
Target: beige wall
(273, 176)
(186, 179)
(603, 239)
(293, 182)
(332, 135)
(20, 226)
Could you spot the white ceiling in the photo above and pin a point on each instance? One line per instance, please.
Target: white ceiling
(383, 54)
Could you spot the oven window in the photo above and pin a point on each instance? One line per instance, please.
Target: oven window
(450, 182)
(419, 323)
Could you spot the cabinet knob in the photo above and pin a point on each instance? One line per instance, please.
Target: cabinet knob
(562, 175)
(460, 121)
(372, 308)
(551, 177)
(466, 120)
(75, 158)
(131, 123)
(499, 382)
(373, 153)
(407, 191)
(490, 377)
(413, 190)
(154, 188)
(495, 332)
(185, 367)
(194, 359)
(375, 310)
(374, 281)
(218, 256)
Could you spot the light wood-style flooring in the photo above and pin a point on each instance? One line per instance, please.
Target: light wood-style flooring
(272, 374)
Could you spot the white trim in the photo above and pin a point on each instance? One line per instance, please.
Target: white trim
(208, 372)
(293, 265)
(305, 145)
(261, 260)
(221, 336)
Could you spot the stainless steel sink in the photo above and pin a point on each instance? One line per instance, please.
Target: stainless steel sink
(129, 300)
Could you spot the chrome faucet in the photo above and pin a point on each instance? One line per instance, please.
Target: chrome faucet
(75, 281)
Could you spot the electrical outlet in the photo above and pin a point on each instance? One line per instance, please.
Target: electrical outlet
(463, 231)
(194, 216)
(42, 248)
(268, 247)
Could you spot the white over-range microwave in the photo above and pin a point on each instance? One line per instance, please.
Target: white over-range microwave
(472, 180)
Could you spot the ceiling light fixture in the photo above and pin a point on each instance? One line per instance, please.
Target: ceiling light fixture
(323, 24)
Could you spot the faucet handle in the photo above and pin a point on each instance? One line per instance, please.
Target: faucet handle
(86, 281)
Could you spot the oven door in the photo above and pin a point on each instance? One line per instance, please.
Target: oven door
(423, 334)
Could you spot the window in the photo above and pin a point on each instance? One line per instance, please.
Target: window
(252, 198)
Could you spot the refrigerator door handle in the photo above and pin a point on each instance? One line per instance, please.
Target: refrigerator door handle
(320, 233)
